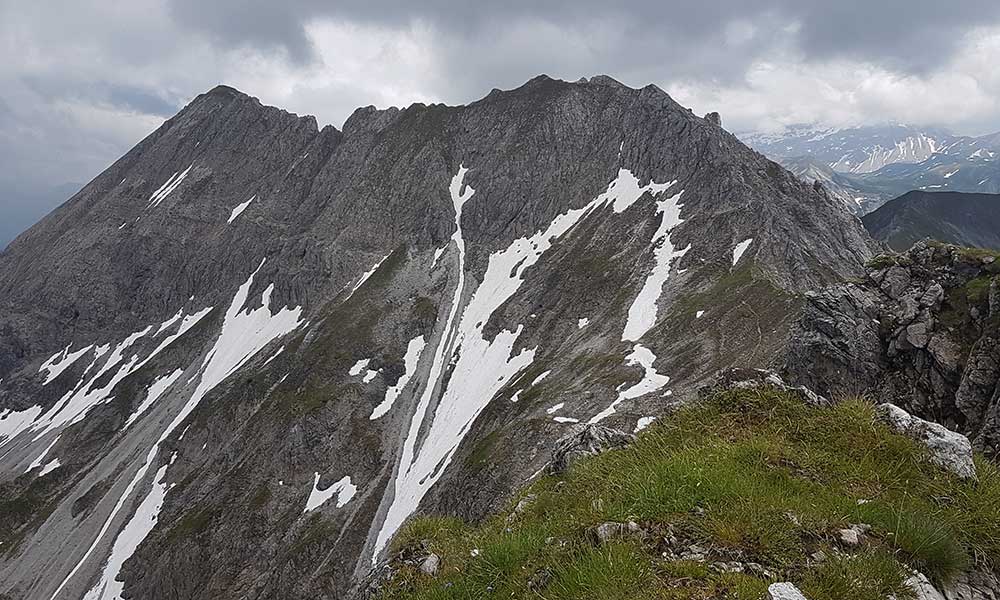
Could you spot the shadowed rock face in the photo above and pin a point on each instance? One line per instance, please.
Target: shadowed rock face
(247, 316)
(920, 331)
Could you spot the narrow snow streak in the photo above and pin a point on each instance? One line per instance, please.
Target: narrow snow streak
(344, 490)
(155, 391)
(243, 334)
(541, 377)
(129, 539)
(437, 255)
(740, 249)
(164, 190)
(650, 382)
(366, 275)
(240, 208)
(407, 485)
(642, 314)
(79, 400)
(413, 351)
(61, 361)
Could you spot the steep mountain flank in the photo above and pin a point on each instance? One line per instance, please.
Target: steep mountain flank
(951, 217)
(920, 330)
(237, 361)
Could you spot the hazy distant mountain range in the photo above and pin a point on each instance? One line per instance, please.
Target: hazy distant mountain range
(867, 166)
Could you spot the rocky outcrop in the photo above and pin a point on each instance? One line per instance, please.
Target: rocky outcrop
(921, 331)
(748, 379)
(588, 440)
(949, 450)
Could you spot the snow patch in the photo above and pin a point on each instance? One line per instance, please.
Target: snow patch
(480, 368)
(136, 530)
(155, 391)
(740, 249)
(61, 361)
(240, 208)
(642, 314)
(358, 367)
(643, 423)
(164, 190)
(699, 314)
(565, 420)
(243, 334)
(413, 351)
(540, 378)
(50, 466)
(555, 408)
(650, 382)
(344, 490)
(581, 323)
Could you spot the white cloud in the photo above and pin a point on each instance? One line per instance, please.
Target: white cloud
(784, 90)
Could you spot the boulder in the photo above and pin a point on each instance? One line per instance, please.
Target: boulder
(949, 450)
(784, 591)
(588, 440)
(922, 588)
(430, 565)
(608, 532)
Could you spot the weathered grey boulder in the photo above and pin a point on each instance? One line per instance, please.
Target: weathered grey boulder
(923, 589)
(608, 532)
(784, 591)
(584, 441)
(431, 565)
(950, 450)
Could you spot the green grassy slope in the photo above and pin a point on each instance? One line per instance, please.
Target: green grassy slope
(748, 481)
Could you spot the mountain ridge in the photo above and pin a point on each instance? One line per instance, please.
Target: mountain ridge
(950, 217)
(209, 333)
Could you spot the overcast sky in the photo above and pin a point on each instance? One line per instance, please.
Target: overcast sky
(84, 80)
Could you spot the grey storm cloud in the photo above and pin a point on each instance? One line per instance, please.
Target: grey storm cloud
(84, 80)
(910, 34)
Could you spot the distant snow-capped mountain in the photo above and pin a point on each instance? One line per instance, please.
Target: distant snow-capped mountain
(867, 166)
(853, 150)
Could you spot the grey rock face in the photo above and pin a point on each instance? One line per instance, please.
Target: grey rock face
(254, 348)
(918, 332)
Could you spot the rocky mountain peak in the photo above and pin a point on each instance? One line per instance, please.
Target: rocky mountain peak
(249, 328)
